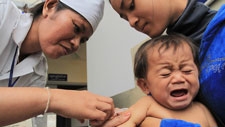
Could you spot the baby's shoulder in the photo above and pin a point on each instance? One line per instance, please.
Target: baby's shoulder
(199, 105)
(204, 112)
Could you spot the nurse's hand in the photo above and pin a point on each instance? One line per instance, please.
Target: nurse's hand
(116, 120)
(81, 105)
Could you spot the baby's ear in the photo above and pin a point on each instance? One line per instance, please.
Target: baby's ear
(143, 85)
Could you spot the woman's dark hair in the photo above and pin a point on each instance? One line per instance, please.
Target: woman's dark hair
(175, 40)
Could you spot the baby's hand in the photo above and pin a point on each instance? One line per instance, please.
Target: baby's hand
(98, 123)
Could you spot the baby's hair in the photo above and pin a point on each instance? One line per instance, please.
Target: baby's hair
(175, 40)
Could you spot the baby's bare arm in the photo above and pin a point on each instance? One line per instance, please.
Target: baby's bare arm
(197, 113)
(138, 112)
(151, 122)
(209, 116)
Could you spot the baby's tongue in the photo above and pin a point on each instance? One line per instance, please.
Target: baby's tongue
(178, 93)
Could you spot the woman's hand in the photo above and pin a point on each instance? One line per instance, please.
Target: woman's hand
(81, 105)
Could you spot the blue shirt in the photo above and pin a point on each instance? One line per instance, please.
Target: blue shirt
(212, 58)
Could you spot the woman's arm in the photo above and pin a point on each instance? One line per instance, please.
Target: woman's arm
(20, 103)
(17, 104)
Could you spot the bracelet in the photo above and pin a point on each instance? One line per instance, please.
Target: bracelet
(49, 96)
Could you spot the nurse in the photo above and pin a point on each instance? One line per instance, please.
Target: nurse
(53, 28)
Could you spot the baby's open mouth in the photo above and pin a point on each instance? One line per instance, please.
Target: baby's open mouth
(178, 93)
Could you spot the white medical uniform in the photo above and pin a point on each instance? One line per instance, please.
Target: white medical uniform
(14, 26)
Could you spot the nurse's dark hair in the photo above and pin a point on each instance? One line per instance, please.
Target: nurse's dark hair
(37, 9)
(166, 41)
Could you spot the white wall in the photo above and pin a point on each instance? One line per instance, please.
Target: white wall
(109, 60)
